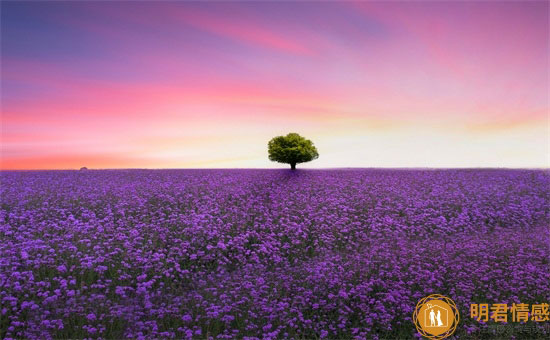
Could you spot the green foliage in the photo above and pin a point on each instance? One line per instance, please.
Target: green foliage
(292, 149)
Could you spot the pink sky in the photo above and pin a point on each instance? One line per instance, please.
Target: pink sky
(170, 85)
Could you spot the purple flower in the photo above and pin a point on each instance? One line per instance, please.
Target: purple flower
(265, 254)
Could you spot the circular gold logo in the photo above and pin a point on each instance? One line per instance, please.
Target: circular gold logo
(436, 316)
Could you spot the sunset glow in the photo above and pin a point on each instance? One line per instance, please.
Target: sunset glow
(207, 85)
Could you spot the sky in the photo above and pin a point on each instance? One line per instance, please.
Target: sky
(208, 84)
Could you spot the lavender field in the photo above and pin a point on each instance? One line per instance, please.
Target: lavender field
(308, 254)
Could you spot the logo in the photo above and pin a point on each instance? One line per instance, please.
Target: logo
(436, 317)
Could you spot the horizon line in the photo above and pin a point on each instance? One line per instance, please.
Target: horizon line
(326, 168)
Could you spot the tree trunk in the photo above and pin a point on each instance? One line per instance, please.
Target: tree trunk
(292, 166)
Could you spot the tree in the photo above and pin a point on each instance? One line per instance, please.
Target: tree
(291, 149)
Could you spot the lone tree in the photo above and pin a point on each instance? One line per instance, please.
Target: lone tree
(291, 149)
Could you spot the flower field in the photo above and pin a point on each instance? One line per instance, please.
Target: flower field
(267, 254)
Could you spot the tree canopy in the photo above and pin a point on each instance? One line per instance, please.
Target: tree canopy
(292, 149)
